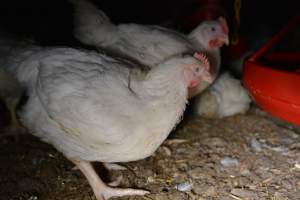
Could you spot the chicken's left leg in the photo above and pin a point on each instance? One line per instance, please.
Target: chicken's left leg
(115, 167)
(101, 190)
(15, 127)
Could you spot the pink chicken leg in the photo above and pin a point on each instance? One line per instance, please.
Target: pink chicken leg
(101, 190)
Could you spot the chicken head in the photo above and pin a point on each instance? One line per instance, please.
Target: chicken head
(212, 34)
(196, 73)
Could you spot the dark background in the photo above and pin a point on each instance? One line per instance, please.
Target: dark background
(50, 21)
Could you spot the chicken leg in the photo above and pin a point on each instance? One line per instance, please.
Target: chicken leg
(15, 128)
(101, 190)
(11, 94)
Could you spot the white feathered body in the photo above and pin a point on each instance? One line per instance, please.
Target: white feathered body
(224, 98)
(146, 44)
(92, 107)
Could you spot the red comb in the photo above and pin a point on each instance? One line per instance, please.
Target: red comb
(201, 57)
(224, 25)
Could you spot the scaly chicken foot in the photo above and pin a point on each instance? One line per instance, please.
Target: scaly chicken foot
(101, 190)
(114, 166)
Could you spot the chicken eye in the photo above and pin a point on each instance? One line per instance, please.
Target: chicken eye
(213, 29)
(197, 69)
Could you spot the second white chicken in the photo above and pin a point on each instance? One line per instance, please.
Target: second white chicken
(225, 97)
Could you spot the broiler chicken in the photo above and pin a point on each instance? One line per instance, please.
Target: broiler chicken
(146, 44)
(92, 107)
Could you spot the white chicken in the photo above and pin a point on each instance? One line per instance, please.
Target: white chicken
(146, 44)
(225, 97)
(93, 107)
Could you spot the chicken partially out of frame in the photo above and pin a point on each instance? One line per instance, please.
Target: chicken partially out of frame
(93, 107)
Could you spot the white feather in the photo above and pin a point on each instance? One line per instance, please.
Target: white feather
(148, 45)
(80, 102)
(225, 97)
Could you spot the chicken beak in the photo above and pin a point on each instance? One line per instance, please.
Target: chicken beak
(223, 38)
(226, 40)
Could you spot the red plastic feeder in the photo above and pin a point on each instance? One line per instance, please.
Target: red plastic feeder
(275, 89)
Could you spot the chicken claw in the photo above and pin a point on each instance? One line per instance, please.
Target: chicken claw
(114, 166)
(101, 190)
(109, 192)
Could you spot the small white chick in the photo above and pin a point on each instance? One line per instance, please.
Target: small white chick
(226, 97)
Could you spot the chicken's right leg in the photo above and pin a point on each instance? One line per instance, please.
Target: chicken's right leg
(101, 190)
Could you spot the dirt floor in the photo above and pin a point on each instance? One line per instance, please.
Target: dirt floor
(237, 158)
